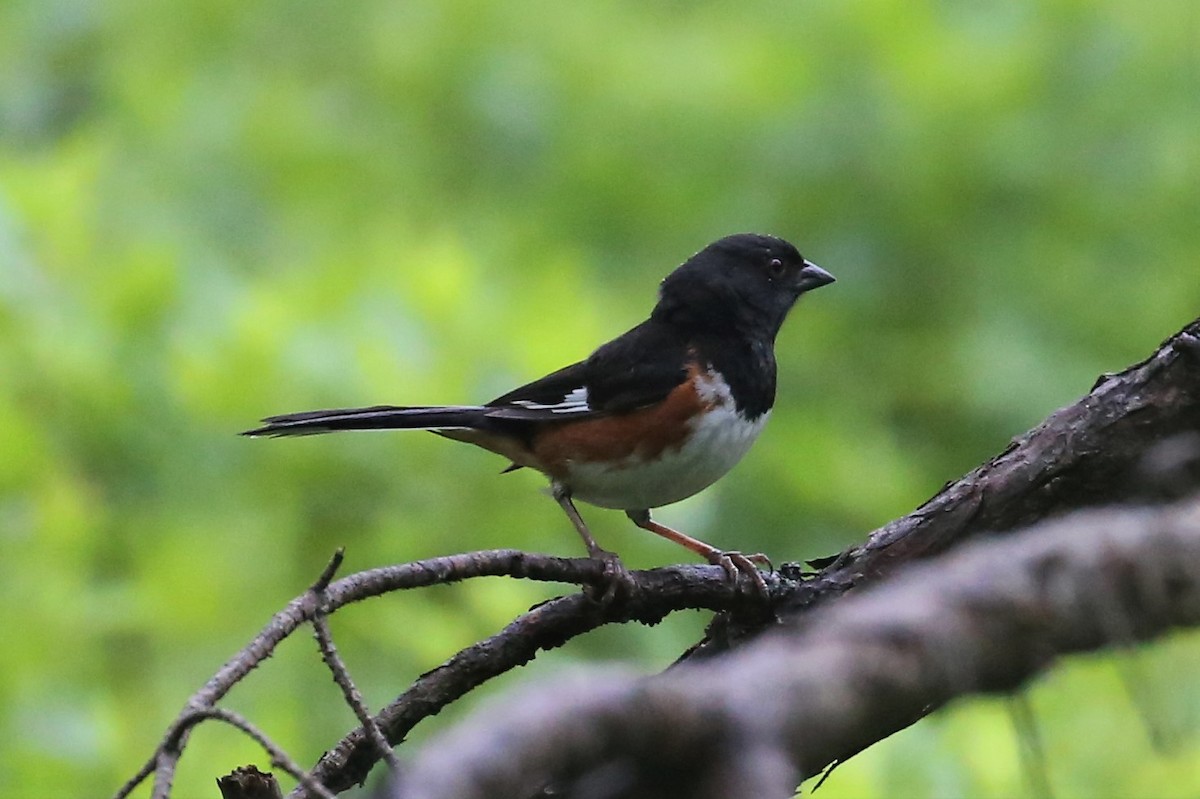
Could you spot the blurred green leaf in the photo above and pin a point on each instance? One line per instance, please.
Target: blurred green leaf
(211, 212)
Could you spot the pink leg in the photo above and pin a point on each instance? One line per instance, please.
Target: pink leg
(731, 562)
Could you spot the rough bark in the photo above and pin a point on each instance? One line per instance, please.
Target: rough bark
(1134, 437)
(1129, 440)
(756, 722)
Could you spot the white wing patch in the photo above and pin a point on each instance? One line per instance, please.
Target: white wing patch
(574, 402)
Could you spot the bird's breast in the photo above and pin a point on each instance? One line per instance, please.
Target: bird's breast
(657, 455)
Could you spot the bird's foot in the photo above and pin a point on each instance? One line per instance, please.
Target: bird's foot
(737, 565)
(616, 582)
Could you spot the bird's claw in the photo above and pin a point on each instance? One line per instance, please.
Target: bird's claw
(737, 564)
(615, 583)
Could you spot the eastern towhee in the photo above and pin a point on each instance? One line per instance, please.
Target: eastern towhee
(653, 416)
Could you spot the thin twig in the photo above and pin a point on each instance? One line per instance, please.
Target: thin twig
(331, 569)
(133, 782)
(341, 674)
(545, 626)
(698, 587)
(350, 692)
(279, 758)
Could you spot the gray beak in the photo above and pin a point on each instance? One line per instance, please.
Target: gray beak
(813, 277)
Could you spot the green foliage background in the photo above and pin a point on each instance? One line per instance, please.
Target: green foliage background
(213, 211)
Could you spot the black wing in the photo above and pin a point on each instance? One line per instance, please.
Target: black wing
(633, 370)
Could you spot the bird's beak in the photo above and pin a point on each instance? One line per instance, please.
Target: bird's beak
(813, 277)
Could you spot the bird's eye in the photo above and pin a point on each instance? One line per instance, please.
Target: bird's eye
(775, 268)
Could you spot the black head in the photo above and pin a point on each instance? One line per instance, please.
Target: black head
(744, 283)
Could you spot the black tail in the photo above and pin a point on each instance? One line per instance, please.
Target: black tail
(378, 417)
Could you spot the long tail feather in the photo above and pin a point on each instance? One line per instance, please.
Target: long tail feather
(378, 417)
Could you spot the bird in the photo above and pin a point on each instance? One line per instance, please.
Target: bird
(653, 416)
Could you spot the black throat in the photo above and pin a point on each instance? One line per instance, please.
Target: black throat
(747, 363)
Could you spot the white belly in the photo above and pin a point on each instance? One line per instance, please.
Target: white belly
(718, 441)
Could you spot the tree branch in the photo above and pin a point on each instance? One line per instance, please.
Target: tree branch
(549, 625)
(1083, 453)
(983, 619)
(1093, 452)
(279, 758)
(656, 593)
